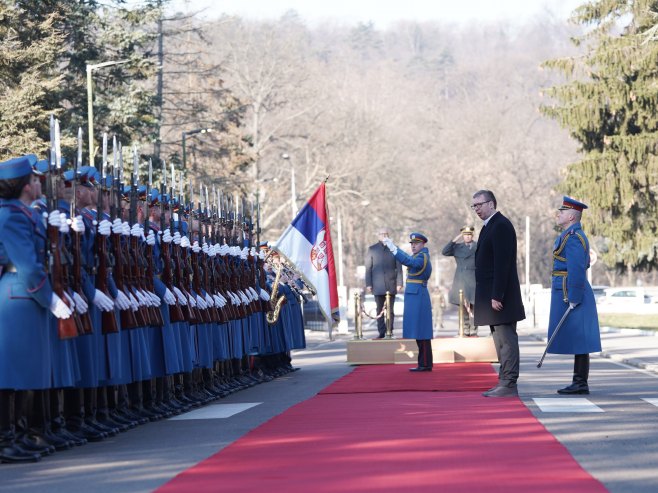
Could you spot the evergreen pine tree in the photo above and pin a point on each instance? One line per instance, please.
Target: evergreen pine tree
(29, 49)
(610, 106)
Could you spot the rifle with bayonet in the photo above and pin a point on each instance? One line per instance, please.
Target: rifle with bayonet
(66, 328)
(127, 316)
(84, 319)
(149, 272)
(103, 263)
(175, 311)
(132, 248)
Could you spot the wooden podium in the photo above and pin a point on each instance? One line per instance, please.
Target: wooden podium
(405, 351)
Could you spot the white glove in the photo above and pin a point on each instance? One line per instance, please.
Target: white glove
(219, 301)
(103, 301)
(150, 239)
(81, 305)
(134, 304)
(177, 238)
(136, 231)
(78, 225)
(125, 231)
(264, 295)
(54, 219)
(155, 300)
(389, 244)
(105, 227)
(166, 236)
(201, 303)
(179, 294)
(117, 226)
(261, 255)
(196, 248)
(243, 297)
(63, 223)
(142, 298)
(185, 242)
(191, 300)
(254, 294)
(122, 301)
(58, 307)
(169, 297)
(253, 252)
(209, 300)
(573, 305)
(206, 249)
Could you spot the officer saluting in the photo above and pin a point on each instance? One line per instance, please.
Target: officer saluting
(417, 317)
(579, 334)
(462, 247)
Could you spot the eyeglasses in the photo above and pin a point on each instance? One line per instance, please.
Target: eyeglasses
(479, 204)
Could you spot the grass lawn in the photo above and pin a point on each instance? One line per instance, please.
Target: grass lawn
(629, 320)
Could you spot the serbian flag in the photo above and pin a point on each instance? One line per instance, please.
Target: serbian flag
(306, 243)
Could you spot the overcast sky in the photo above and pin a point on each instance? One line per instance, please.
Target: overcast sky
(383, 12)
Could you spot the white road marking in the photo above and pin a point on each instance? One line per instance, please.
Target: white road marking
(216, 411)
(651, 400)
(567, 405)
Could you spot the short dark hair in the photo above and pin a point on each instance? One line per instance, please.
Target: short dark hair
(12, 188)
(488, 194)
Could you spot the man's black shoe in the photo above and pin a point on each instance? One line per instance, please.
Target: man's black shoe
(421, 368)
(575, 389)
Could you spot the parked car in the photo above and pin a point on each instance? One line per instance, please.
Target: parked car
(625, 296)
(599, 292)
(313, 318)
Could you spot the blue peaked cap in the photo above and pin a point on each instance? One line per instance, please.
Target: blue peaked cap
(417, 238)
(18, 167)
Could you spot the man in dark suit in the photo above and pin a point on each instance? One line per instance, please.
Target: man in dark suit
(498, 301)
(383, 274)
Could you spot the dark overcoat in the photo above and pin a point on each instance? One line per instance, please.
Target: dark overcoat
(383, 271)
(464, 273)
(496, 276)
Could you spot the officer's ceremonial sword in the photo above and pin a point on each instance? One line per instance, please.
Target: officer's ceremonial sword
(564, 317)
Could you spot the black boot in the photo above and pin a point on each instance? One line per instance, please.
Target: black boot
(9, 450)
(580, 376)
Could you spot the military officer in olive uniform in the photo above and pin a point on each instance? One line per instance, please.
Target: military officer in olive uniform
(462, 247)
(579, 334)
(417, 316)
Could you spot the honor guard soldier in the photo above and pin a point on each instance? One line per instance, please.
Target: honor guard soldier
(579, 334)
(30, 297)
(417, 317)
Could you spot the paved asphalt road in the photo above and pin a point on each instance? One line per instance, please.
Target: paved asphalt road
(618, 443)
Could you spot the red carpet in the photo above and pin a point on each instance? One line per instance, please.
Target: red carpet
(394, 442)
(398, 378)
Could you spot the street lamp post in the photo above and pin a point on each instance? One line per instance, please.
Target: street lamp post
(184, 137)
(90, 106)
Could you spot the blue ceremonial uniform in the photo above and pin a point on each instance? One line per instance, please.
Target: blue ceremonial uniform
(417, 316)
(580, 331)
(417, 321)
(26, 294)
